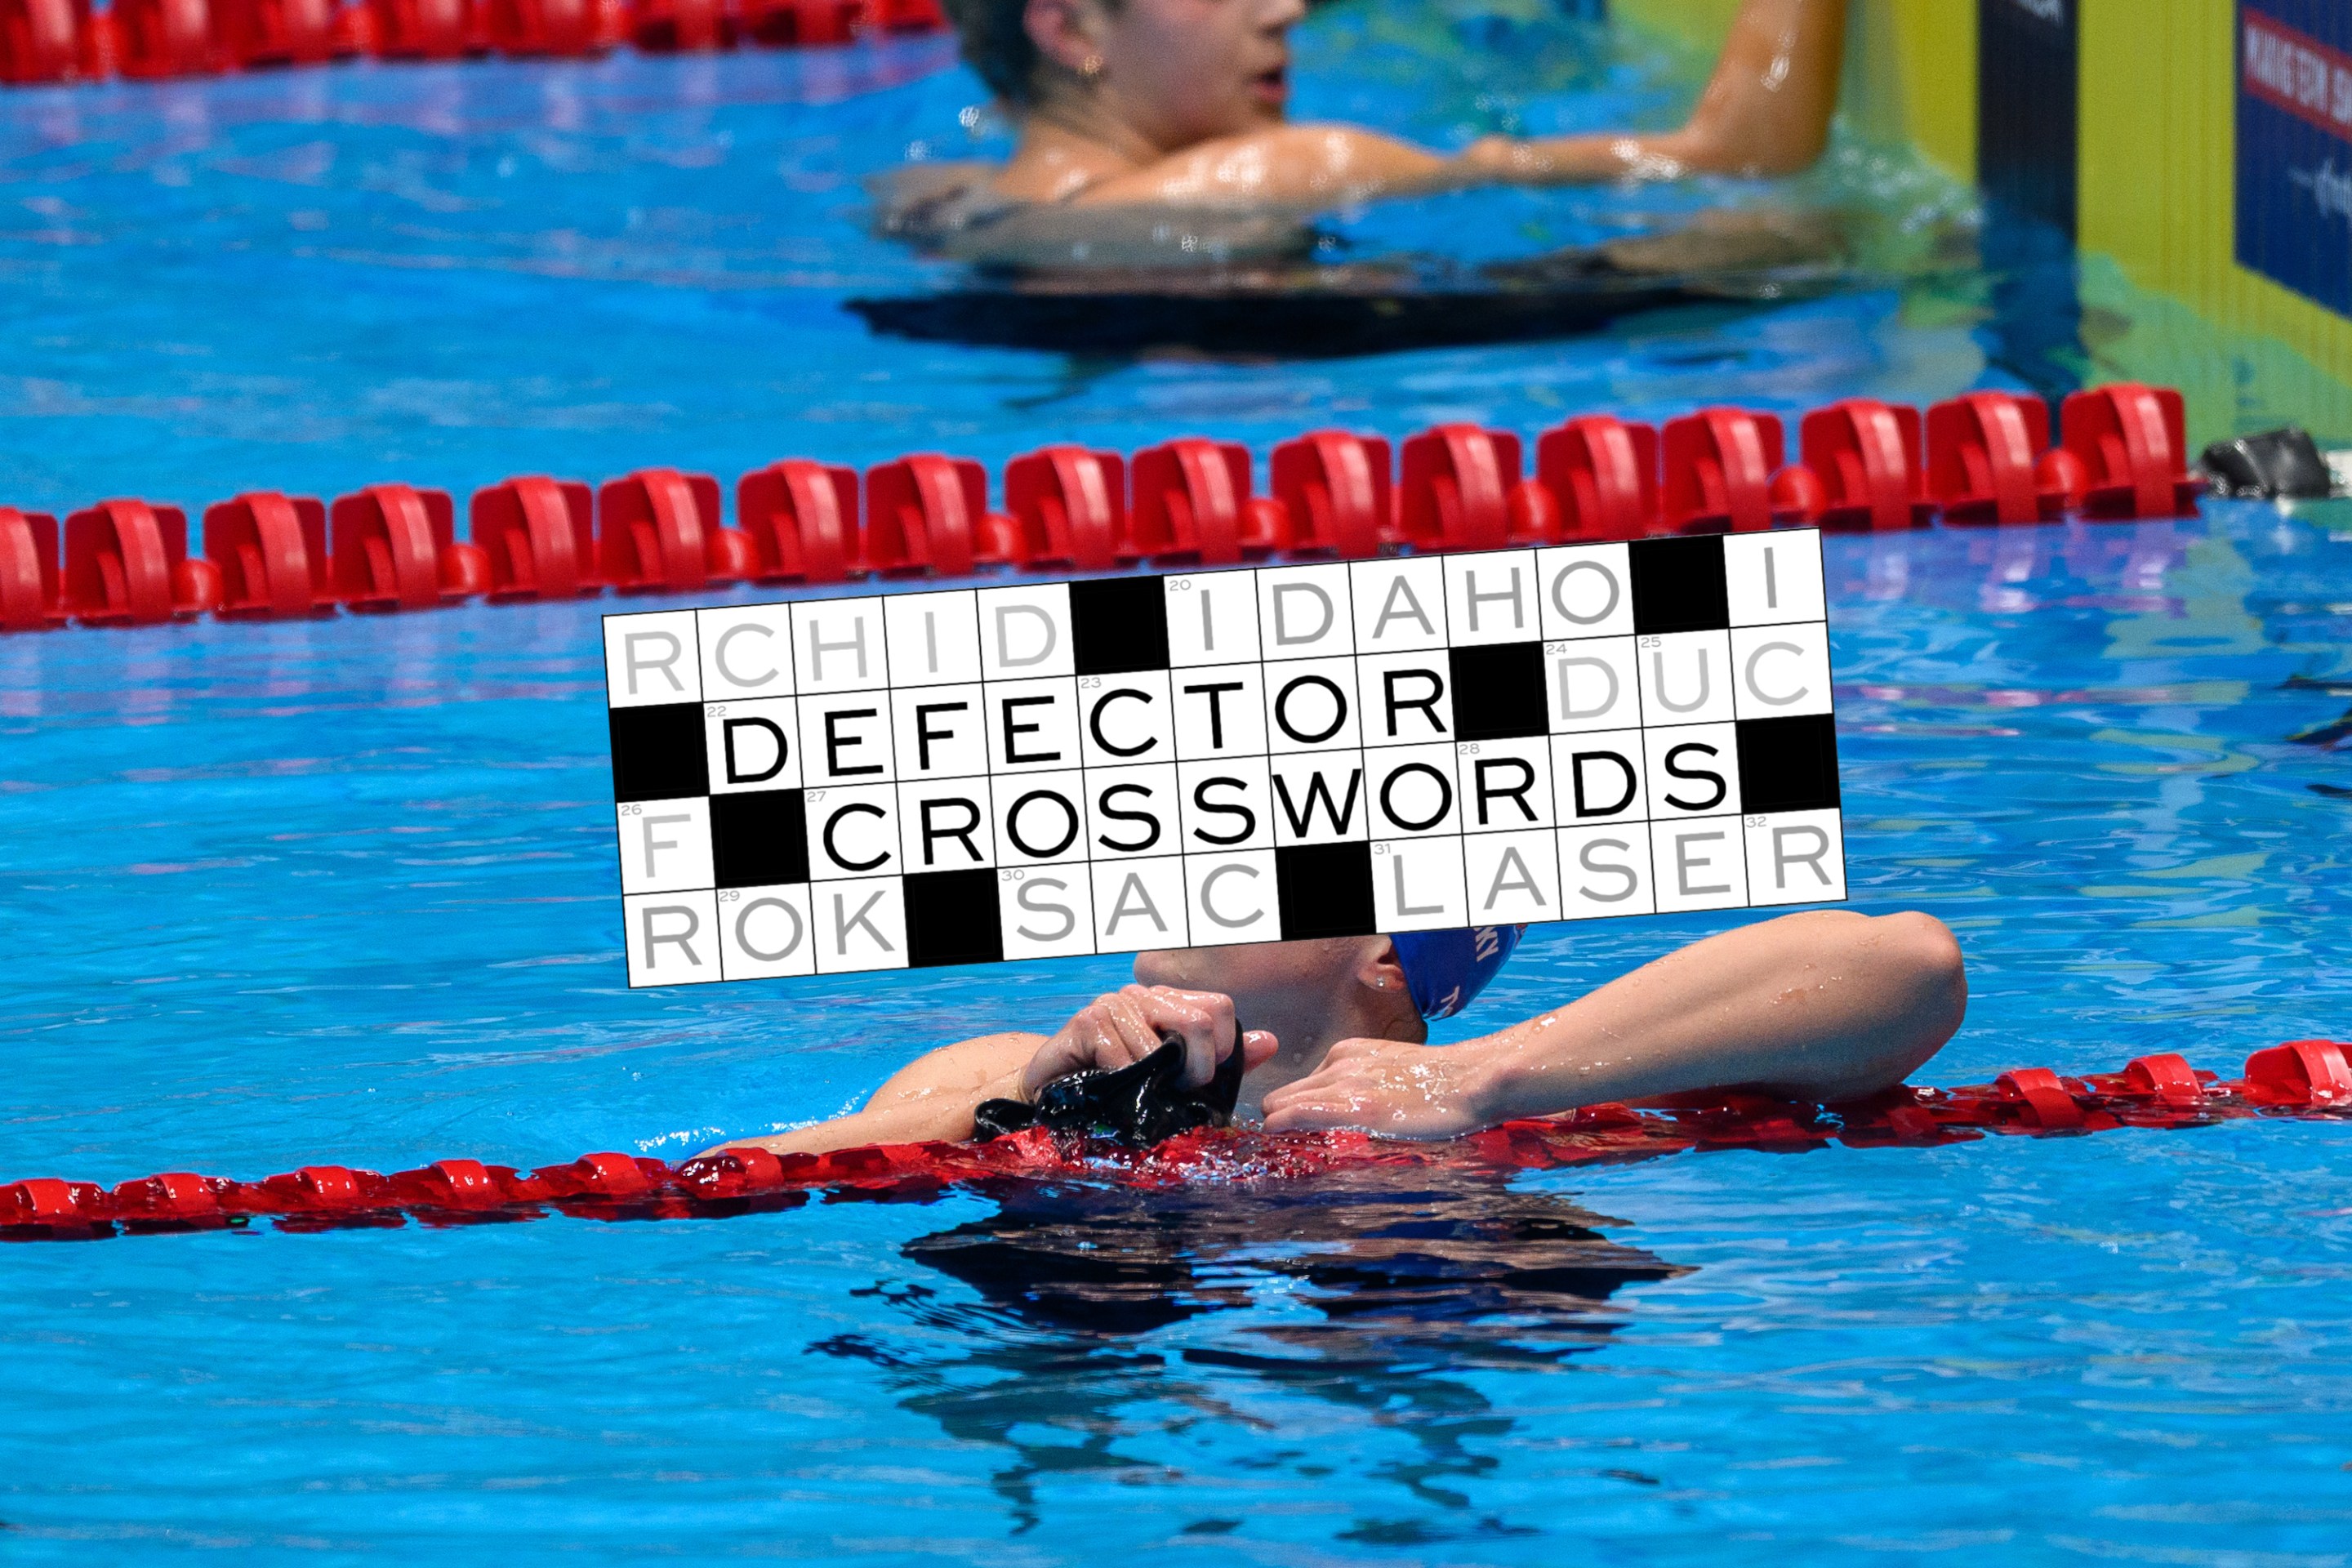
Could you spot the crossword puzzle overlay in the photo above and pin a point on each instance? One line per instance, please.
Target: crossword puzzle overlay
(1047, 769)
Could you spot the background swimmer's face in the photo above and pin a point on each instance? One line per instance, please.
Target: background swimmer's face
(1177, 71)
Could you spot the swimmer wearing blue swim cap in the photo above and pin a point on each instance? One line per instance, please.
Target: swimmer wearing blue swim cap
(1820, 1006)
(1446, 970)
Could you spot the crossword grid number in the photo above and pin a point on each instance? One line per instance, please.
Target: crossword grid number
(1049, 769)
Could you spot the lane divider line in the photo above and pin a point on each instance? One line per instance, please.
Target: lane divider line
(1863, 466)
(2302, 1078)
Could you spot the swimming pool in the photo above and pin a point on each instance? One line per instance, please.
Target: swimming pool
(343, 889)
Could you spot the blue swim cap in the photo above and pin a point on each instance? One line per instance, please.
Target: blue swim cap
(1445, 969)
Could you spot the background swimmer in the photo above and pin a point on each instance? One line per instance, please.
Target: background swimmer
(1180, 104)
(1819, 1006)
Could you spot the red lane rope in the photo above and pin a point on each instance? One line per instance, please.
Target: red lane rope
(1861, 464)
(54, 41)
(2302, 1078)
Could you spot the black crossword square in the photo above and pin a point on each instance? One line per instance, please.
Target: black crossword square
(952, 917)
(1326, 889)
(1678, 585)
(1788, 764)
(1119, 625)
(1498, 692)
(657, 753)
(759, 838)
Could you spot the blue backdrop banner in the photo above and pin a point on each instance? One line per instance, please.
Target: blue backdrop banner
(2294, 145)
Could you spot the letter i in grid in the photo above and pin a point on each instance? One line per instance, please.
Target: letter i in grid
(1050, 769)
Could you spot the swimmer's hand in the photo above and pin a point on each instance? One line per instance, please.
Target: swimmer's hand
(1123, 1027)
(1386, 1087)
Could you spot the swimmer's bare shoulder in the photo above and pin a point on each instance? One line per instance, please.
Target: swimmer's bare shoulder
(1296, 166)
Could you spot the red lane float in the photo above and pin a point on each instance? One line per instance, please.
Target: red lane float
(2131, 443)
(803, 24)
(1192, 505)
(254, 34)
(1455, 488)
(928, 513)
(1866, 455)
(676, 26)
(801, 518)
(2302, 1078)
(1333, 488)
(540, 535)
(28, 572)
(1603, 475)
(1988, 461)
(2300, 1072)
(1460, 490)
(429, 29)
(657, 532)
(554, 30)
(127, 564)
(551, 29)
(271, 551)
(395, 548)
(908, 15)
(50, 41)
(157, 38)
(1724, 474)
(1069, 509)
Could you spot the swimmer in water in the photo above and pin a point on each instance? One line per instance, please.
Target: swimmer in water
(1821, 1007)
(1179, 103)
(1152, 136)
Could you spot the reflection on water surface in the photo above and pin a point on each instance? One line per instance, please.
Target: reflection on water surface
(1382, 1293)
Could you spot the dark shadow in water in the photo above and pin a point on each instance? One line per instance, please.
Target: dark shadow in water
(2028, 119)
(2034, 327)
(2332, 734)
(1413, 1280)
(1096, 283)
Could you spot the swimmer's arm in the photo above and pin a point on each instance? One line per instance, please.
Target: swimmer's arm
(932, 1098)
(1313, 168)
(1765, 112)
(1821, 1007)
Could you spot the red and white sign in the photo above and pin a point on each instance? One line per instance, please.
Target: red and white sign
(2294, 71)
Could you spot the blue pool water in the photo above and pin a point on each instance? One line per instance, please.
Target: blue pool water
(344, 890)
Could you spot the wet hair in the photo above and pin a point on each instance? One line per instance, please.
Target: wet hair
(996, 44)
